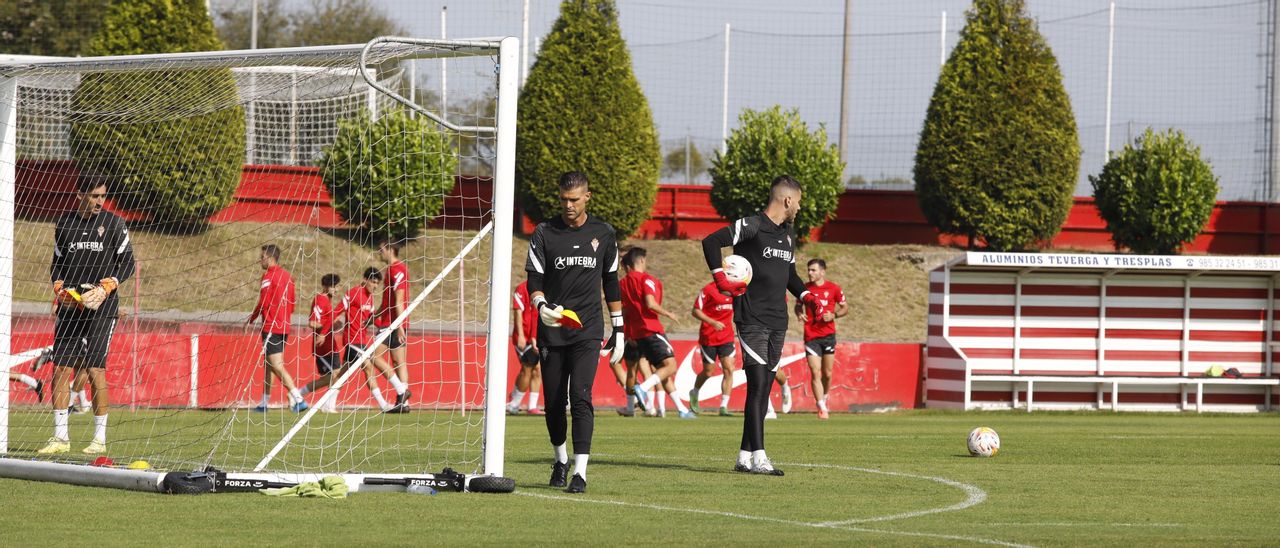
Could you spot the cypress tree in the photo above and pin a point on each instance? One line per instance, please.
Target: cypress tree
(582, 109)
(169, 143)
(998, 156)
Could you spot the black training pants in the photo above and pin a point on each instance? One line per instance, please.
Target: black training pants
(568, 373)
(761, 351)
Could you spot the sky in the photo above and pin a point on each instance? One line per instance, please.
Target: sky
(1197, 65)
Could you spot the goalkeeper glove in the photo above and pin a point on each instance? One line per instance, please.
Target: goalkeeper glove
(93, 296)
(614, 345)
(808, 298)
(549, 313)
(97, 294)
(67, 298)
(727, 286)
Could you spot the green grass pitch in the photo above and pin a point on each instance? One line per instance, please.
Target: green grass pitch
(885, 479)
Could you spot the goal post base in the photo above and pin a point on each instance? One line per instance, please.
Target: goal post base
(81, 474)
(214, 481)
(447, 480)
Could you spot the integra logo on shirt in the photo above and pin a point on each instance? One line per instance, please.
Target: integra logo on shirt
(771, 253)
(584, 262)
(91, 246)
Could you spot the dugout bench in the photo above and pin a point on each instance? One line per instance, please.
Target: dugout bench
(1118, 332)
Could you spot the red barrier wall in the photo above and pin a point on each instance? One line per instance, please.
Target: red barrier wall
(46, 188)
(267, 193)
(154, 370)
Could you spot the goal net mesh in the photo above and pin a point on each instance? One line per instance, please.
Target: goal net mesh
(209, 161)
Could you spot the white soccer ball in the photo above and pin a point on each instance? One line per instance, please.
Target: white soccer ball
(737, 269)
(984, 442)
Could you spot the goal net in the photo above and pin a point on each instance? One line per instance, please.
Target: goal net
(331, 157)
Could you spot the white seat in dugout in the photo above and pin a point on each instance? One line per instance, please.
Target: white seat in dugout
(1089, 325)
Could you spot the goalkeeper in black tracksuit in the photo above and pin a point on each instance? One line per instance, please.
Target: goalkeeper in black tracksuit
(767, 241)
(91, 257)
(571, 258)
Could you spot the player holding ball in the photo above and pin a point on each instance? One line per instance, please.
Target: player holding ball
(767, 241)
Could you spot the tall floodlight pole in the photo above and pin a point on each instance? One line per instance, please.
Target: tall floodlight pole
(1106, 126)
(1273, 167)
(844, 81)
(253, 25)
(444, 64)
(724, 97)
(942, 41)
(251, 111)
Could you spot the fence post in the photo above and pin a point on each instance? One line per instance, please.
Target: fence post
(942, 41)
(1111, 40)
(194, 399)
(724, 99)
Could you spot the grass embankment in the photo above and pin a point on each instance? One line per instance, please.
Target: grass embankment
(217, 270)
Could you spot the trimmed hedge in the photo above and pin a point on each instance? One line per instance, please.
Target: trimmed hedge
(582, 109)
(998, 156)
(389, 176)
(170, 144)
(769, 143)
(1156, 194)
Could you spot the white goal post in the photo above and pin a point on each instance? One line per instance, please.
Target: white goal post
(184, 377)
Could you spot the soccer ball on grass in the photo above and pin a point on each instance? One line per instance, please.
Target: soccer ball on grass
(984, 442)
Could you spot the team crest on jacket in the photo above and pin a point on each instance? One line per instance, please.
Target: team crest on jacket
(595, 244)
(101, 230)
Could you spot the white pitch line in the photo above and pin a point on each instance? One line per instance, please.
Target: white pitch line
(768, 519)
(974, 495)
(1086, 524)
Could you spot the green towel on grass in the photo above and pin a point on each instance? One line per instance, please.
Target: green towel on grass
(330, 487)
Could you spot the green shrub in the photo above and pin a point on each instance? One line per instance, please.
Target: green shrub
(169, 143)
(582, 109)
(1155, 194)
(769, 143)
(998, 156)
(390, 176)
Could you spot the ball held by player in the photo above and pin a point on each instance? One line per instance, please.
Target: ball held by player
(737, 269)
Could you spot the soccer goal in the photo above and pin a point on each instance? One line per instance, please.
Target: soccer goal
(216, 161)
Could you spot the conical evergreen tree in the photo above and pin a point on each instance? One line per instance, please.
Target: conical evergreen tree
(582, 109)
(998, 156)
(169, 144)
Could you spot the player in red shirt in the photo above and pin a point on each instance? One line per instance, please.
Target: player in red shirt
(625, 370)
(326, 343)
(275, 306)
(395, 295)
(819, 319)
(641, 306)
(715, 340)
(525, 339)
(353, 317)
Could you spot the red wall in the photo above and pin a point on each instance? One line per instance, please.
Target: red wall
(267, 193)
(297, 195)
(154, 370)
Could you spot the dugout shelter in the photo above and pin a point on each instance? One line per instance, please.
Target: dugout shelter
(1092, 331)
